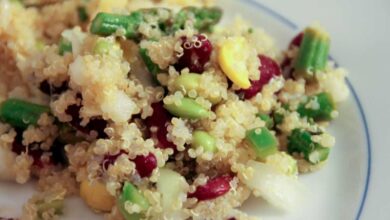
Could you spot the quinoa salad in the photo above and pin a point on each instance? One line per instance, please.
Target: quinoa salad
(154, 110)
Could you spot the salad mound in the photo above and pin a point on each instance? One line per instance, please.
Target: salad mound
(152, 110)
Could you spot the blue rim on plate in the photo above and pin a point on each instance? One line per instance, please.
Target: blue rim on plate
(294, 26)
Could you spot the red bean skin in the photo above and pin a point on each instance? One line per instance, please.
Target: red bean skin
(214, 188)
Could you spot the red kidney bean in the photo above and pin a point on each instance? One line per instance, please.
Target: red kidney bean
(197, 52)
(268, 69)
(213, 188)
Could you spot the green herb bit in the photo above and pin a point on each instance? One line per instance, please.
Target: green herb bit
(269, 122)
(56, 205)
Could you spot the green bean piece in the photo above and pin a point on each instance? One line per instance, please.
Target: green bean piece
(64, 47)
(204, 140)
(21, 114)
(83, 14)
(131, 194)
(150, 65)
(319, 107)
(106, 24)
(57, 205)
(313, 53)
(300, 141)
(204, 18)
(262, 141)
(269, 122)
(187, 82)
(187, 108)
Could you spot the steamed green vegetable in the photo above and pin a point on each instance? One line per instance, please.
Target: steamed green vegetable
(187, 108)
(300, 141)
(131, 194)
(313, 53)
(203, 18)
(319, 107)
(21, 114)
(262, 141)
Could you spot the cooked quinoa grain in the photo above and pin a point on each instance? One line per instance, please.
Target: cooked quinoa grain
(151, 110)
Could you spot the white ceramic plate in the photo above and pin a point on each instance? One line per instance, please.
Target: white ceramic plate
(336, 192)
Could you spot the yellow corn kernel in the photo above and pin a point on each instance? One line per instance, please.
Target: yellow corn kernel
(110, 5)
(232, 58)
(96, 196)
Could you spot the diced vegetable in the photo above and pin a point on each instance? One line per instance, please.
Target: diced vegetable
(83, 14)
(187, 81)
(103, 46)
(280, 190)
(96, 196)
(21, 114)
(152, 67)
(319, 107)
(187, 108)
(283, 162)
(56, 205)
(232, 58)
(313, 53)
(269, 122)
(214, 188)
(204, 140)
(172, 186)
(262, 141)
(131, 194)
(64, 47)
(300, 141)
(105, 24)
(204, 18)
